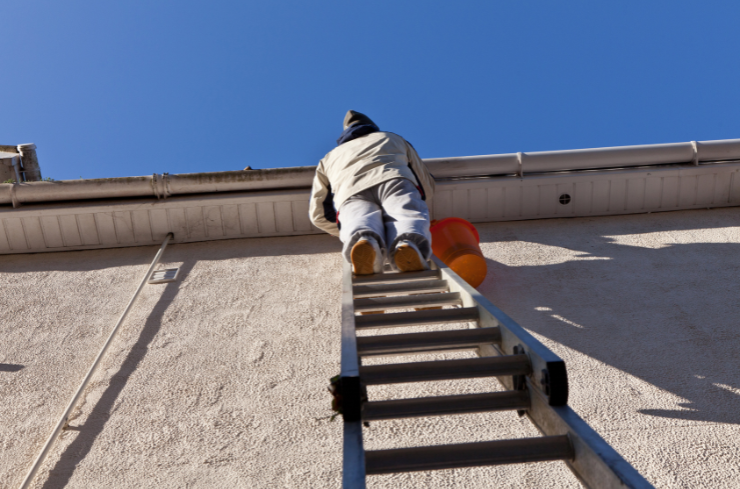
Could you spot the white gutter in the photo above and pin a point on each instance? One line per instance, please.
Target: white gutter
(163, 186)
(582, 159)
(159, 186)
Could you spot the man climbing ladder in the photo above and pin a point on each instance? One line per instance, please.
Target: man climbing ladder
(373, 192)
(381, 189)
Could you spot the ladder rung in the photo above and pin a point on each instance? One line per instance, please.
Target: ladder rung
(498, 452)
(416, 318)
(388, 278)
(445, 405)
(398, 373)
(405, 301)
(421, 287)
(427, 342)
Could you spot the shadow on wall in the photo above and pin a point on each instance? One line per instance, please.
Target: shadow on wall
(10, 367)
(187, 256)
(76, 451)
(660, 221)
(88, 260)
(667, 314)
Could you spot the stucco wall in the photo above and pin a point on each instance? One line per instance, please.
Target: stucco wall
(644, 310)
(218, 380)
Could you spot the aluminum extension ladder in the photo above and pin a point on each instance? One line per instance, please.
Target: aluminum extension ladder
(535, 379)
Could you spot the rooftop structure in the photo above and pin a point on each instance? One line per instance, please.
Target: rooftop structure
(218, 379)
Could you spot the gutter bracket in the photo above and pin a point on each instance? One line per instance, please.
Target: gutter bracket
(13, 197)
(520, 163)
(16, 166)
(166, 179)
(161, 185)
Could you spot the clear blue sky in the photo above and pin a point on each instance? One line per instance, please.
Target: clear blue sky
(131, 88)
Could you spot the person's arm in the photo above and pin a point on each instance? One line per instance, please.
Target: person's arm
(321, 209)
(420, 169)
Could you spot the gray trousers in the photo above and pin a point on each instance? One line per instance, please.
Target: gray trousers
(390, 212)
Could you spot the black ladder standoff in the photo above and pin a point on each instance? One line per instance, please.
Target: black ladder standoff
(535, 379)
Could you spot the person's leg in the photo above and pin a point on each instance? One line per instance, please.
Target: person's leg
(406, 219)
(362, 234)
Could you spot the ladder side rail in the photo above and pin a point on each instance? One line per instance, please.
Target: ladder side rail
(353, 466)
(350, 366)
(596, 464)
(353, 456)
(548, 369)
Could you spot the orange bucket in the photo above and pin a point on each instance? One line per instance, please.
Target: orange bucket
(456, 242)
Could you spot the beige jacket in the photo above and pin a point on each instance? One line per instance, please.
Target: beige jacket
(360, 164)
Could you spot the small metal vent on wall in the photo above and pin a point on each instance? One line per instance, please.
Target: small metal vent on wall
(164, 276)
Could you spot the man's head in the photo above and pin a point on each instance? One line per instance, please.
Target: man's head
(354, 118)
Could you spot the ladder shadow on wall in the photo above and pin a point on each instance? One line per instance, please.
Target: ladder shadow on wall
(95, 422)
(667, 316)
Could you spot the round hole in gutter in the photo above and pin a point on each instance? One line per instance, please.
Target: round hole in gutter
(564, 199)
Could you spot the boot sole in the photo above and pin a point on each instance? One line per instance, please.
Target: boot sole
(363, 258)
(408, 260)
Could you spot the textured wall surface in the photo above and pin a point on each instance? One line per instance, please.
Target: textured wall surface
(218, 379)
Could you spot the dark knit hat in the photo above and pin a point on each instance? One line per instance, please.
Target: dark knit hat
(354, 118)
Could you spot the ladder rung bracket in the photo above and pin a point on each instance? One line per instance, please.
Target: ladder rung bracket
(426, 342)
(421, 287)
(479, 454)
(417, 318)
(406, 301)
(445, 405)
(389, 278)
(548, 370)
(469, 368)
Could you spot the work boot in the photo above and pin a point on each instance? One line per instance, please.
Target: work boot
(408, 258)
(366, 257)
